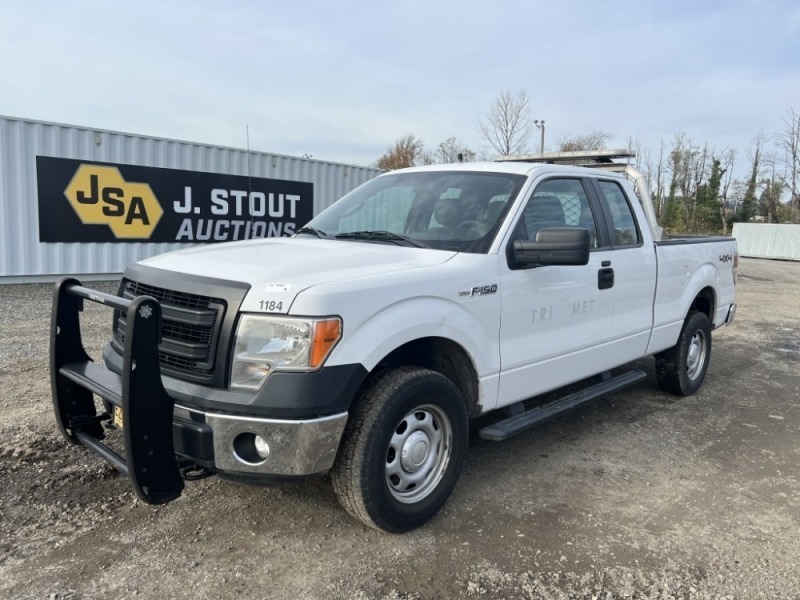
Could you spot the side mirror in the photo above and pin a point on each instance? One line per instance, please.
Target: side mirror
(553, 246)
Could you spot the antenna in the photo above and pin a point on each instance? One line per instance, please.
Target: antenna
(249, 181)
(247, 135)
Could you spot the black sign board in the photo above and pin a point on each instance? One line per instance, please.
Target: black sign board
(85, 201)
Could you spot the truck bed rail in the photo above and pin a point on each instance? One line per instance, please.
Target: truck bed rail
(138, 399)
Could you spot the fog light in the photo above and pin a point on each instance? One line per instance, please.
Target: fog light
(250, 448)
(262, 447)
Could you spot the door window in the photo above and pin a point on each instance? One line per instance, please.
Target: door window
(558, 203)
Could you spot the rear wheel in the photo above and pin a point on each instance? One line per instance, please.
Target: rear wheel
(682, 369)
(403, 449)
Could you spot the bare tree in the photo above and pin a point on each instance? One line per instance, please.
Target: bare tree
(736, 195)
(727, 161)
(748, 208)
(634, 146)
(789, 140)
(672, 204)
(508, 126)
(660, 194)
(774, 182)
(694, 164)
(594, 140)
(653, 169)
(449, 151)
(405, 152)
(485, 154)
(690, 166)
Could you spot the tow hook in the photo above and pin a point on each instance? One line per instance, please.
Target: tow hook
(193, 472)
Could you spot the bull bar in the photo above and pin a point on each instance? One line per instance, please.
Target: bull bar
(149, 458)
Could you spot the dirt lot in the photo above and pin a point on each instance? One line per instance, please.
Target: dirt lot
(642, 495)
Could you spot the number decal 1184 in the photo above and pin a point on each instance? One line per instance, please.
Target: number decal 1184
(271, 305)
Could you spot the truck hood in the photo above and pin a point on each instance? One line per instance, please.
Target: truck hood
(278, 269)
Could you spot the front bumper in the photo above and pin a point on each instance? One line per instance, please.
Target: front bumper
(223, 442)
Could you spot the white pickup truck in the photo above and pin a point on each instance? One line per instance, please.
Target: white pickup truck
(363, 346)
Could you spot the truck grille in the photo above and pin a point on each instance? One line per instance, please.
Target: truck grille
(190, 328)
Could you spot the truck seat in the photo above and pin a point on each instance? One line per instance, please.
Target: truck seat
(543, 211)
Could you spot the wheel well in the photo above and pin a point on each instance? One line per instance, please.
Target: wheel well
(441, 355)
(704, 303)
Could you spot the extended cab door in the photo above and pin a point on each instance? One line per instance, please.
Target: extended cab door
(633, 260)
(561, 324)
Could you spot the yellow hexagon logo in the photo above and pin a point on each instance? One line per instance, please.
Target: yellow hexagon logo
(100, 196)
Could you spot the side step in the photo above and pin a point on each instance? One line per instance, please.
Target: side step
(502, 430)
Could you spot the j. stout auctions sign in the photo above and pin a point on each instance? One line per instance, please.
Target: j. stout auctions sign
(82, 201)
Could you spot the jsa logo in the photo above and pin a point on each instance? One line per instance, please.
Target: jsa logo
(100, 196)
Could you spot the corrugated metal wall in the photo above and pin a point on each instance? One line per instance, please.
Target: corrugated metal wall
(767, 240)
(22, 140)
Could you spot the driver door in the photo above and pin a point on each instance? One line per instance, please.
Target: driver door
(555, 320)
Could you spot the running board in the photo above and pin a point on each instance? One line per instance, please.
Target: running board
(502, 430)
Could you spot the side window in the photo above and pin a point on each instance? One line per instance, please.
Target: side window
(558, 203)
(624, 231)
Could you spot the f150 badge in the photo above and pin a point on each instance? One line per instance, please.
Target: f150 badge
(479, 290)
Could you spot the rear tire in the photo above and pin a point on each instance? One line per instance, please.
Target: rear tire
(402, 449)
(682, 369)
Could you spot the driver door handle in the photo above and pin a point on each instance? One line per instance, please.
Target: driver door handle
(605, 276)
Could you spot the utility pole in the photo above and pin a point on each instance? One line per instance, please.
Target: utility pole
(540, 126)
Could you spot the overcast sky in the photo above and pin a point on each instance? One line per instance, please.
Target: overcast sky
(342, 80)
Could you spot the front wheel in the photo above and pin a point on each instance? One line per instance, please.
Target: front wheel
(402, 450)
(682, 369)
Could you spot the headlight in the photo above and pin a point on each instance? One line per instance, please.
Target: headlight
(265, 344)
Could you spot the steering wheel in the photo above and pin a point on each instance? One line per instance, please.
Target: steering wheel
(477, 227)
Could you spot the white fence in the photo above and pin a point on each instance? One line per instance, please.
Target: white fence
(767, 240)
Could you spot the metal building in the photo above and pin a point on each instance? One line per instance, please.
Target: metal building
(64, 189)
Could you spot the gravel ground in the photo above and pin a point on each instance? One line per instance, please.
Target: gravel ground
(642, 495)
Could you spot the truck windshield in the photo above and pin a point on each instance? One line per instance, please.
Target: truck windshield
(448, 210)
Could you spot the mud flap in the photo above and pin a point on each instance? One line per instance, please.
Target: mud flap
(144, 407)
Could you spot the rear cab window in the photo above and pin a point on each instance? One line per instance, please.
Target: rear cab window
(622, 222)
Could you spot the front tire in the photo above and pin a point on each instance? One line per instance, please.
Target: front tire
(682, 369)
(402, 449)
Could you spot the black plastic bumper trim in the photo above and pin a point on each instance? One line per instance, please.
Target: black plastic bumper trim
(328, 391)
(193, 439)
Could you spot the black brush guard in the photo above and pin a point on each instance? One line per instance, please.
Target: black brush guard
(147, 408)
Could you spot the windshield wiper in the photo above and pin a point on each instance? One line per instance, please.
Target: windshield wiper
(380, 236)
(312, 231)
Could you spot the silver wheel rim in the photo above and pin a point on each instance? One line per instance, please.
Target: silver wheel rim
(418, 453)
(696, 355)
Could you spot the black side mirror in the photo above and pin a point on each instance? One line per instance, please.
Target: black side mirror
(553, 246)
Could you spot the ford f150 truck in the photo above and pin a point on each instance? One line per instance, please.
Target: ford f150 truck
(363, 346)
